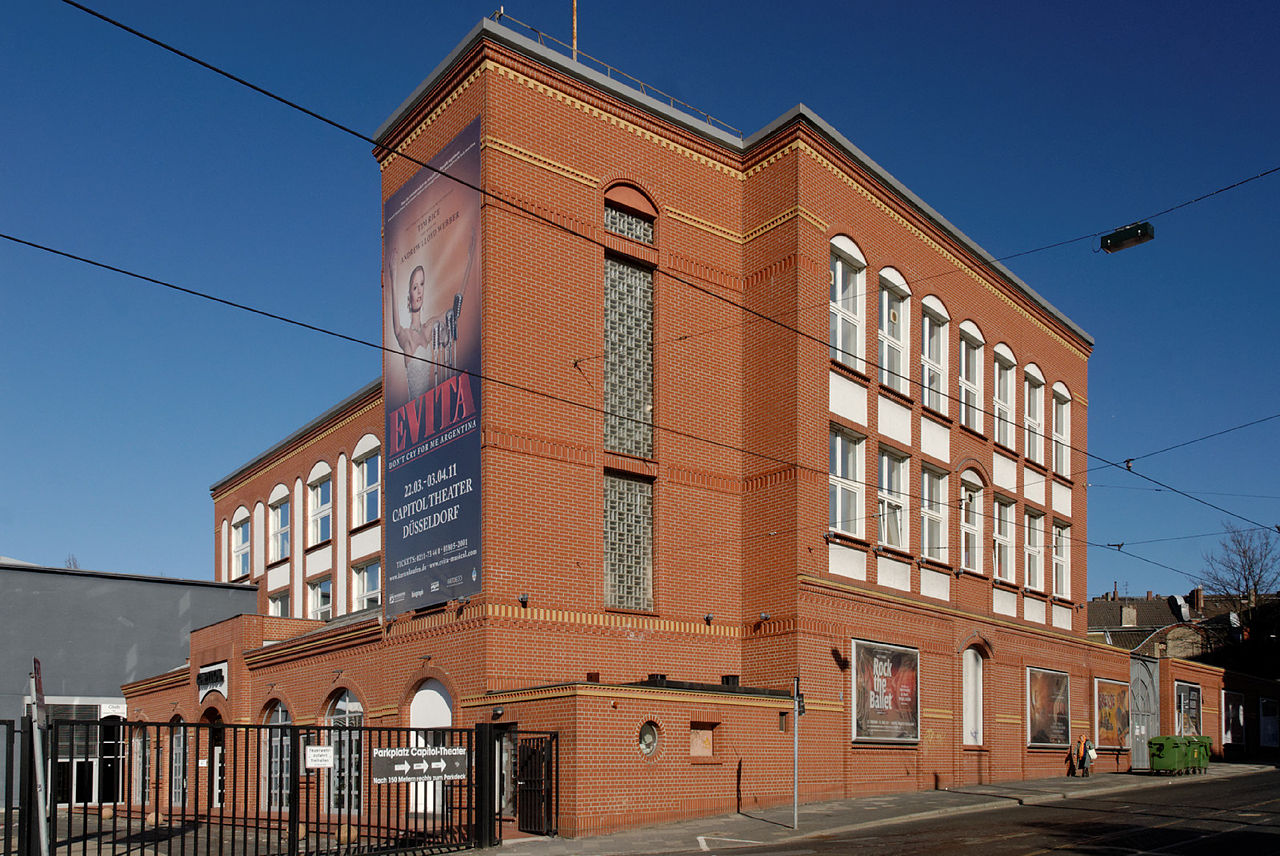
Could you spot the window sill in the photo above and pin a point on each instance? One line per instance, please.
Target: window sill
(630, 464)
(1035, 465)
(1065, 480)
(848, 371)
(1038, 595)
(363, 526)
(936, 565)
(901, 397)
(894, 553)
(705, 762)
(619, 610)
(1006, 585)
(970, 572)
(320, 545)
(1008, 450)
(976, 433)
(845, 539)
(277, 563)
(941, 418)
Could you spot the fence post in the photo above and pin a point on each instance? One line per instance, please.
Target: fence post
(295, 790)
(26, 789)
(482, 781)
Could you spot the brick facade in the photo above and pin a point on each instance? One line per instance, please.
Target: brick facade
(749, 579)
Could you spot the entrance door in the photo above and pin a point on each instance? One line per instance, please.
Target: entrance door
(1144, 708)
(536, 779)
(432, 707)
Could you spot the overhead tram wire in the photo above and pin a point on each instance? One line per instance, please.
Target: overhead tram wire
(551, 222)
(912, 509)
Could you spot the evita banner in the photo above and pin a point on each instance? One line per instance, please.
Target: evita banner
(431, 379)
(1048, 708)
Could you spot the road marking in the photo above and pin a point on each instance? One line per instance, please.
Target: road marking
(703, 839)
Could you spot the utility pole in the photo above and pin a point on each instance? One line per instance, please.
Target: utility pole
(796, 706)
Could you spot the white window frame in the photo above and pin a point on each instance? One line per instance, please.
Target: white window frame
(1002, 539)
(344, 719)
(971, 694)
(971, 517)
(241, 561)
(934, 354)
(895, 331)
(320, 599)
(1033, 550)
(970, 372)
(933, 514)
(845, 482)
(278, 514)
(1006, 372)
(320, 506)
(278, 604)
(366, 491)
(848, 288)
(893, 487)
(278, 747)
(1061, 560)
(366, 597)
(1033, 415)
(1061, 430)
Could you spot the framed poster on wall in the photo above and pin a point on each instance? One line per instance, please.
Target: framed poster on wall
(886, 692)
(1111, 714)
(1048, 707)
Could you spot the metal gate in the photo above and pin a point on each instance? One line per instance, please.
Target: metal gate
(537, 763)
(1144, 708)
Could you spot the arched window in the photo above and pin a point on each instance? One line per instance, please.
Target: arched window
(848, 285)
(319, 504)
(177, 763)
(1033, 413)
(279, 756)
(1061, 430)
(971, 344)
(345, 718)
(895, 328)
(1002, 397)
(279, 523)
(971, 689)
(366, 462)
(971, 517)
(240, 566)
(933, 353)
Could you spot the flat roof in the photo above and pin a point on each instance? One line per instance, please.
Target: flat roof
(26, 567)
(496, 32)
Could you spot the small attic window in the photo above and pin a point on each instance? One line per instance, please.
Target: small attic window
(629, 213)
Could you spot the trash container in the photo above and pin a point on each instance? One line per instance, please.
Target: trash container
(1201, 748)
(1168, 754)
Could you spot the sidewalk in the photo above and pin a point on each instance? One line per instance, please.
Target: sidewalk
(773, 826)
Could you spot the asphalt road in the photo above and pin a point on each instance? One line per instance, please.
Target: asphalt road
(1229, 817)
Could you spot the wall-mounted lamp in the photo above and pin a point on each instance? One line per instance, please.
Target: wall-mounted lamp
(764, 616)
(708, 618)
(425, 658)
(498, 711)
(524, 599)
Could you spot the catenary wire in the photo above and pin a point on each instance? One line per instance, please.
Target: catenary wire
(551, 222)
(560, 226)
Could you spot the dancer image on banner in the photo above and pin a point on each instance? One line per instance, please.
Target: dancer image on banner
(429, 346)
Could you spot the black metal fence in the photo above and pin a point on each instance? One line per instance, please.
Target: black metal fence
(179, 788)
(7, 790)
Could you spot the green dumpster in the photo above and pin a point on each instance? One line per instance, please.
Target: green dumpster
(1168, 754)
(1201, 748)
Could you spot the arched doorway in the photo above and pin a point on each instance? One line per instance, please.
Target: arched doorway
(431, 707)
(217, 759)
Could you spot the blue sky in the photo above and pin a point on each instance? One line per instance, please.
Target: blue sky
(1024, 124)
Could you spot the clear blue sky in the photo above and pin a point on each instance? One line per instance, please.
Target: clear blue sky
(1022, 123)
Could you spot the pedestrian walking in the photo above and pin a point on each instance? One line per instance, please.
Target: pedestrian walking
(1071, 759)
(1087, 756)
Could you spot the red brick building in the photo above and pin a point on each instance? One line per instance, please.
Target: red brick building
(677, 324)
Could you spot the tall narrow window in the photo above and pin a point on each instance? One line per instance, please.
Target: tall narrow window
(848, 283)
(628, 360)
(279, 523)
(1003, 403)
(972, 691)
(1061, 560)
(845, 482)
(894, 318)
(278, 755)
(971, 518)
(367, 496)
(628, 543)
(368, 580)
(320, 495)
(1032, 540)
(971, 377)
(240, 549)
(892, 500)
(933, 354)
(278, 605)
(629, 224)
(1033, 416)
(345, 720)
(933, 515)
(1061, 430)
(320, 595)
(1002, 540)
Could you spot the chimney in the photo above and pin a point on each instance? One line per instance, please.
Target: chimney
(1128, 615)
(1197, 598)
(1149, 595)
